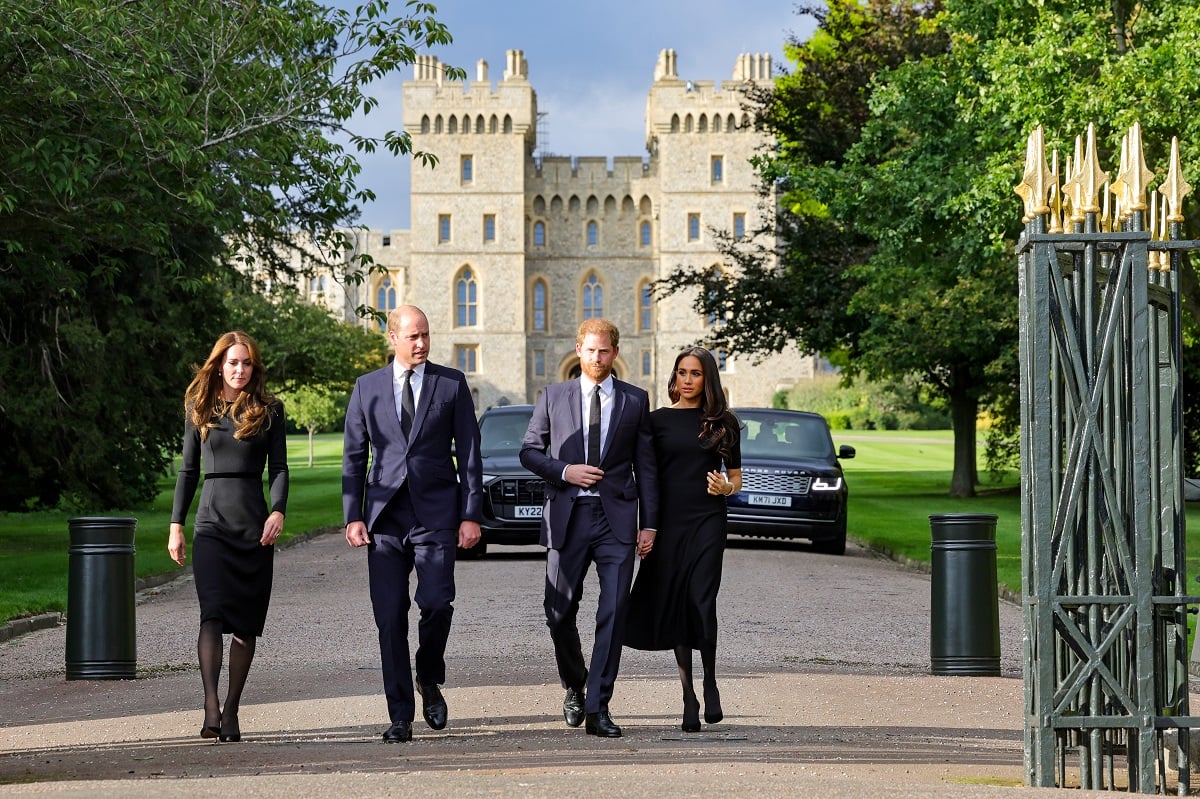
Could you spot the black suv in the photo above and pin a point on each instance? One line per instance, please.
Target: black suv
(512, 495)
(792, 482)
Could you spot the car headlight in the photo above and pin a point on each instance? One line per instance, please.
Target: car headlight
(827, 484)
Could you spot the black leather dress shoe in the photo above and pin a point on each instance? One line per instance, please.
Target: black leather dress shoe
(433, 706)
(399, 732)
(601, 724)
(573, 707)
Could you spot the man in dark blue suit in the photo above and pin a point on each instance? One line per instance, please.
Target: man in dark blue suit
(589, 439)
(422, 497)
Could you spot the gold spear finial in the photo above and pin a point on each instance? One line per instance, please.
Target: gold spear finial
(1137, 174)
(1091, 177)
(1024, 189)
(1174, 188)
(1073, 188)
(1120, 185)
(1056, 205)
(1042, 175)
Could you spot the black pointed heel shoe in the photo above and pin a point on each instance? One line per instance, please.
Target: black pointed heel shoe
(231, 732)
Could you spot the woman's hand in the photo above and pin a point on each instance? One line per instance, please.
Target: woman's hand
(717, 484)
(272, 529)
(176, 545)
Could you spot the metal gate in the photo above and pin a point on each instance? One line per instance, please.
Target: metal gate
(1102, 529)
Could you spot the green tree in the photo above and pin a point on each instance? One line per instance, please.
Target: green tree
(145, 144)
(313, 409)
(918, 189)
(302, 345)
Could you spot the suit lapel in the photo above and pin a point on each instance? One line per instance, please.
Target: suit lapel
(429, 383)
(617, 407)
(574, 403)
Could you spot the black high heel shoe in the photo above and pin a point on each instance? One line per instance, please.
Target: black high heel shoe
(210, 730)
(230, 731)
(712, 705)
(691, 716)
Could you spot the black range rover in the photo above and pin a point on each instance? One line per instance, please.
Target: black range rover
(512, 495)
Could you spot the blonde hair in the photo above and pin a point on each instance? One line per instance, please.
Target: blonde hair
(203, 403)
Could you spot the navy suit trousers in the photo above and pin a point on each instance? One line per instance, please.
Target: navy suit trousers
(589, 539)
(398, 546)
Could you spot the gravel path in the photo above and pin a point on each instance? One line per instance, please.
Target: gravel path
(823, 662)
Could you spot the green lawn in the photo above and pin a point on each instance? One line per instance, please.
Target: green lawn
(34, 546)
(898, 479)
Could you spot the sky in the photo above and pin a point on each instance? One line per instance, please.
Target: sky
(590, 63)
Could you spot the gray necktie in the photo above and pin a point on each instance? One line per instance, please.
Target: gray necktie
(408, 408)
(593, 453)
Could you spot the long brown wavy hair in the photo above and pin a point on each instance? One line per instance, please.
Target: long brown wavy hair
(719, 426)
(203, 403)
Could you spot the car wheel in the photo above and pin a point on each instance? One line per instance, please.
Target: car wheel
(474, 553)
(835, 545)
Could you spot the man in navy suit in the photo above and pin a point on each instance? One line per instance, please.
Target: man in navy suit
(422, 497)
(589, 439)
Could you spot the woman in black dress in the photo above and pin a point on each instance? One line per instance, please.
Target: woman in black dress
(674, 600)
(233, 428)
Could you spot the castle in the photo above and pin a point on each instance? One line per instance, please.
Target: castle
(509, 251)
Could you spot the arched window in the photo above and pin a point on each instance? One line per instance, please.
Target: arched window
(645, 234)
(425, 124)
(452, 124)
(468, 169)
(539, 234)
(539, 305)
(593, 297)
(507, 123)
(466, 299)
(385, 299)
(674, 123)
(645, 301)
(437, 124)
(593, 233)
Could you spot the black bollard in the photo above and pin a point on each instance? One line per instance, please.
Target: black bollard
(965, 624)
(101, 628)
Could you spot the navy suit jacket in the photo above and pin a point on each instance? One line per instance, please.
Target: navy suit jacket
(443, 493)
(555, 439)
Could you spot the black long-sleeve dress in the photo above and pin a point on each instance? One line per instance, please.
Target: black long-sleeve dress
(233, 570)
(674, 597)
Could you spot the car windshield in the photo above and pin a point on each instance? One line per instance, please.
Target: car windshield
(501, 433)
(785, 436)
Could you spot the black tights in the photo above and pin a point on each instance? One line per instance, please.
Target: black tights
(210, 647)
(712, 697)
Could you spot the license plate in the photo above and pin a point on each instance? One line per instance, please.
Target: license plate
(774, 501)
(529, 511)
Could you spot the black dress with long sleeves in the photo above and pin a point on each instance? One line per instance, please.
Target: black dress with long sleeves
(233, 570)
(674, 597)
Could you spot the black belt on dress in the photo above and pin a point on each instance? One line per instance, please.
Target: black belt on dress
(234, 475)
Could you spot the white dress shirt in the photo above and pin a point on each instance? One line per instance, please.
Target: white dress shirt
(586, 387)
(398, 386)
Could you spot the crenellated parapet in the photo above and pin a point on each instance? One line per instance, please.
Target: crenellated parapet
(434, 105)
(702, 107)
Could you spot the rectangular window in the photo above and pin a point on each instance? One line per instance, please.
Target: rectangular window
(646, 363)
(539, 363)
(489, 227)
(443, 228)
(718, 168)
(722, 358)
(739, 226)
(467, 357)
(645, 234)
(387, 241)
(693, 232)
(468, 169)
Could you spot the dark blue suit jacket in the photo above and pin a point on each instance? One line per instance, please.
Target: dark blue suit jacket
(443, 494)
(555, 438)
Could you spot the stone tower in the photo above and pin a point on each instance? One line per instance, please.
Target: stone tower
(509, 251)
